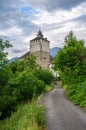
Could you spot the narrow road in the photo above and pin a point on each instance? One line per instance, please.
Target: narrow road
(62, 114)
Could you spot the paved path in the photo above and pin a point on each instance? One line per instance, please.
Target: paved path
(62, 114)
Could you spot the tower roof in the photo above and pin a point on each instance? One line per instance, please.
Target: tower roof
(39, 36)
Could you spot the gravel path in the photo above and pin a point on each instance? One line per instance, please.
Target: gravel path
(62, 114)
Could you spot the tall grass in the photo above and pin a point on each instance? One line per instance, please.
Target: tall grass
(28, 117)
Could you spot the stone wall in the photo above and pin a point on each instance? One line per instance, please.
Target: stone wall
(43, 58)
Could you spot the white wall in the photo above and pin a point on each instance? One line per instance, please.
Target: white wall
(45, 46)
(34, 46)
(40, 45)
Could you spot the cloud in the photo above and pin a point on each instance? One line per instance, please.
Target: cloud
(52, 5)
(21, 19)
(10, 3)
(63, 4)
(16, 51)
(81, 19)
(26, 26)
(59, 18)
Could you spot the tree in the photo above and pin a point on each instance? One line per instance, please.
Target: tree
(71, 60)
(4, 69)
(3, 55)
(71, 40)
(5, 74)
(30, 61)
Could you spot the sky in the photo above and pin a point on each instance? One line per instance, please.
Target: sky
(20, 20)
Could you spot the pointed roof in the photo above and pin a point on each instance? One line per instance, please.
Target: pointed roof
(39, 36)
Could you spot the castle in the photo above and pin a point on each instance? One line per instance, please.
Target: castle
(40, 47)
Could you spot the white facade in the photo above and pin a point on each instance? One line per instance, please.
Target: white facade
(56, 74)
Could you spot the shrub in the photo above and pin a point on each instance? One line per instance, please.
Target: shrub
(26, 85)
(77, 93)
(7, 105)
(20, 89)
(44, 75)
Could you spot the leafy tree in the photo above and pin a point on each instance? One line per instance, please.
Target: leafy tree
(30, 61)
(3, 55)
(44, 75)
(5, 75)
(71, 40)
(20, 81)
(4, 69)
(71, 60)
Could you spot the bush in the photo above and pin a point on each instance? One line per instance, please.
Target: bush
(25, 86)
(21, 81)
(20, 89)
(44, 75)
(7, 106)
(77, 93)
(70, 61)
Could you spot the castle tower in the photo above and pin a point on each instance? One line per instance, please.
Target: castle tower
(40, 47)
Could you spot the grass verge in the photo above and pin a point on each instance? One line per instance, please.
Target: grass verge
(28, 117)
(49, 88)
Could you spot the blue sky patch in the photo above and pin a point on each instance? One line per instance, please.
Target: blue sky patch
(28, 11)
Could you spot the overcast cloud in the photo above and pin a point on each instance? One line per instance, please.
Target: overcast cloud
(20, 21)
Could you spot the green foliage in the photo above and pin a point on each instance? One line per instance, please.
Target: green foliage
(21, 82)
(71, 40)
(27, 85)
(49, 88)
(20, 89)
(71, 64)
(77, 93)
(7, 105)
(5, 75)
(5, 72)
(3, 55)
(30, 62)
(44, 75)
(28, 117)
(71, 60)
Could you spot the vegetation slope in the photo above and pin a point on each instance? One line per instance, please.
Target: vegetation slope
(70, 62)
(21, 82)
